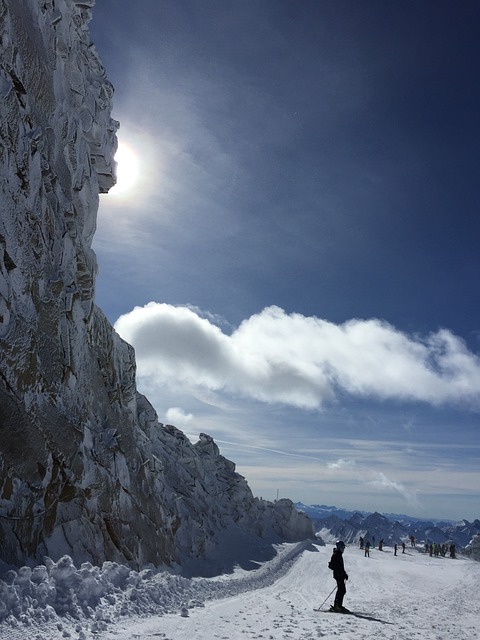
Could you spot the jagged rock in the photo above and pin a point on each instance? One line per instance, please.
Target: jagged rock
(334, 527)
(472, 550)
(86, 469)
(463, 531)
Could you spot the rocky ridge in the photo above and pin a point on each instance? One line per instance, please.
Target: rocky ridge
(86, 469)
(472, 550)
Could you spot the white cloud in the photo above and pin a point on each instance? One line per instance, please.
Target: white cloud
(300, 361)
(341, 464)
(177, 416)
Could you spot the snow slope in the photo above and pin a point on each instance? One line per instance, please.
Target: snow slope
(404, 597)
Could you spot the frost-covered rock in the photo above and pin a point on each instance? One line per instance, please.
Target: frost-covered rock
(472, 550)
(86, 469)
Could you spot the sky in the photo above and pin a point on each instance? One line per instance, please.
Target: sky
(293, 244)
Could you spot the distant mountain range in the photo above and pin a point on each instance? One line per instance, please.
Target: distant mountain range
(334, 523)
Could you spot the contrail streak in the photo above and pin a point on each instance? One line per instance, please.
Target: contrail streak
(283, 453)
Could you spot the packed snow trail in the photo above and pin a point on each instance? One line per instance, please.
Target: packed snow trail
(406, 597)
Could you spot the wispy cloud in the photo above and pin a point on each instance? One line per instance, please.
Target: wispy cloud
(305, 362)
(384, 484)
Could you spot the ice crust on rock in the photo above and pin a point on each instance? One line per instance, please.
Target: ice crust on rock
(86, 469)
(472, 550)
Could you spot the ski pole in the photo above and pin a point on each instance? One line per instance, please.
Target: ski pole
(327, 597)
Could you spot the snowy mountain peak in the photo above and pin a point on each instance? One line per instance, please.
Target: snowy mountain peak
(389, 527)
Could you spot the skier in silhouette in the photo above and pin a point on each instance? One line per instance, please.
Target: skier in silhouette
(340, 575)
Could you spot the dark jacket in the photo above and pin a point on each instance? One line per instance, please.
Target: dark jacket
(336, 564)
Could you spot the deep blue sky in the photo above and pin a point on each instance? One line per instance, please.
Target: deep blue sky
(322, 157)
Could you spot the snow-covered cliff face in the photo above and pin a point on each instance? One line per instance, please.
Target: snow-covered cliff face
(85, 467)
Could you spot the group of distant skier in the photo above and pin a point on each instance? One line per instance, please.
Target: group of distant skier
(437, 550)
(434, 548)
(367, 546)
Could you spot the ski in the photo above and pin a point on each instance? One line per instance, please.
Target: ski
(333, 610)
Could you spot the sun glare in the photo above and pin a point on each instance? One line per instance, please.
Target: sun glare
(128, 169)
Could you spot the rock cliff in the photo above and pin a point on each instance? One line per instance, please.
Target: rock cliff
(472, 550)
(86, 469)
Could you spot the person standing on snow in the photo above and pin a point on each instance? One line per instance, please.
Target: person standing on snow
(340, 575)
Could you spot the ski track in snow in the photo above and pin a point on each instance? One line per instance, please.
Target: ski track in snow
(408, 597)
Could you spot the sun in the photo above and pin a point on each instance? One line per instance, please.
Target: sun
(128, 169)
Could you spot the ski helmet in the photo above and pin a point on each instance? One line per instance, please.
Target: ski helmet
(340, 545)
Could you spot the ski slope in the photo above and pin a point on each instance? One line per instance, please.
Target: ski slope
(408, 597)
(404, 597)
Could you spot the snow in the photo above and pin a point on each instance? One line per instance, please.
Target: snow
(401, 597)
